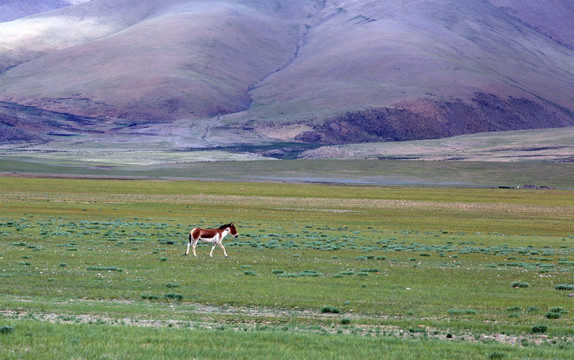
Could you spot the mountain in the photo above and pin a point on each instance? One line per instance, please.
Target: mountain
(552, 18)
(206, 73)
(15, 9)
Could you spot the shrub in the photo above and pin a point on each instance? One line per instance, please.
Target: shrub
(288, 275)
(539, 329)
(330, 310)
(310, 273)
(104, 268)
(6, 329)
(461, 312)
(553, 315)
(558, 310)
(520, 284)
(250, 273)
(497, 355)
(173, 296)
(345, 321)
(564, 287)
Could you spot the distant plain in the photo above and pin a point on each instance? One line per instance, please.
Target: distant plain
(513, 158)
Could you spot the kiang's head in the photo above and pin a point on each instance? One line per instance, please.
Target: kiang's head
(232, 229)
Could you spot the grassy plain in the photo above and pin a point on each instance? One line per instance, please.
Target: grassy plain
(95, 269)
(353, 172)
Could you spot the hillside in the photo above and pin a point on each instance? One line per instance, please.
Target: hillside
(211, 73)
(15, 9)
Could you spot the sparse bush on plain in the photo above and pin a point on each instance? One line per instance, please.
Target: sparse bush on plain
(497, 355)
(104, 268)
(520, 284)
(569, 287)
(553, 315)
(173, 296)
(556, 312)
(288, 275)
(461, 312)
(330, 310)
(6, 329)
(149, 297)
(539, 329)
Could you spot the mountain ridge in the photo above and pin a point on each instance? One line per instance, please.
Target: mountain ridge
(332, 71)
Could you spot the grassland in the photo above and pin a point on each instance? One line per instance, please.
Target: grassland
(95, 269)
(350, 172)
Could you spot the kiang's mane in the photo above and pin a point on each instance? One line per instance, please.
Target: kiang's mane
(224, 226)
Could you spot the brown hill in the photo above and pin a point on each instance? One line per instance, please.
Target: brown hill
(309, 71)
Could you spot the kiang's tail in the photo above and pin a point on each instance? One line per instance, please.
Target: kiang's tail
(190, 236)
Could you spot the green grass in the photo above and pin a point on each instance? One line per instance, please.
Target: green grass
(351, 172)
(31, 339)
(406, 269)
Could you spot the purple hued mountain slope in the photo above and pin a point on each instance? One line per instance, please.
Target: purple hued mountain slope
(331, 71)
(15, 9)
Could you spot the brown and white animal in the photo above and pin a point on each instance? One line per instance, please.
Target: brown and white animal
(211, 236)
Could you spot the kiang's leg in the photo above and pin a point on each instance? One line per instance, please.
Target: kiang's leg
(223, 248)
(211, 252)
(193, 246)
